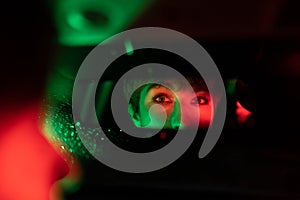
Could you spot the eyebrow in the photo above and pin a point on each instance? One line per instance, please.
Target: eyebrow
(161, 87)
(203, 92)
(155, 86)
(198, 86)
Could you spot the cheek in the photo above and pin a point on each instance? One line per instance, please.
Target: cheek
(193, 117)
(190, 115)
(159, 114)
(164, 110)
(158, 109)
(206, 115)
(169, 110)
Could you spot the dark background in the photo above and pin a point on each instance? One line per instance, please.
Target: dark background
(257, 41)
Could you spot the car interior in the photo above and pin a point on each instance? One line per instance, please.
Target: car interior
(256, 48)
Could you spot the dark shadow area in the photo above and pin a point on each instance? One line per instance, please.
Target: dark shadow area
(257, 42)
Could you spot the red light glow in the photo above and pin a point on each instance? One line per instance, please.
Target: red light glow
(29, 166)
(242, 113)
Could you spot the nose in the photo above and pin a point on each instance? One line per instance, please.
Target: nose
(175, 119)
(190, 115)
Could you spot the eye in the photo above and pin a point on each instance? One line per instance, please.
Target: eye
(199, 100)
(162, 99)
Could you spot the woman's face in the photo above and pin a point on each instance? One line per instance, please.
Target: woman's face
(182, 108)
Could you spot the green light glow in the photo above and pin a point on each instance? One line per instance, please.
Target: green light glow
(231, 85)
(87, 101)
(144, 119)
(101, 100)
(89, 22)
(141, 116)
(175, 121)
(60, 130)
(129, 48)
(58, 121)
(76, 20)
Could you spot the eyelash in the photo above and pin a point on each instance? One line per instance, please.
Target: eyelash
(197, 100)
(166, 100)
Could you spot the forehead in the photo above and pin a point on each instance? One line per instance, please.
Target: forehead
(181, 92)
(177, 85)
(158, 89)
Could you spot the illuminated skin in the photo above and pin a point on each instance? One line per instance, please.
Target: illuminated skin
(29, 165)
(190, 104)
(88, 22)
(242, 113)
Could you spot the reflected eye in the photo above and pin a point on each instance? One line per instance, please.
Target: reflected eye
(199, 100)
(162, 99)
